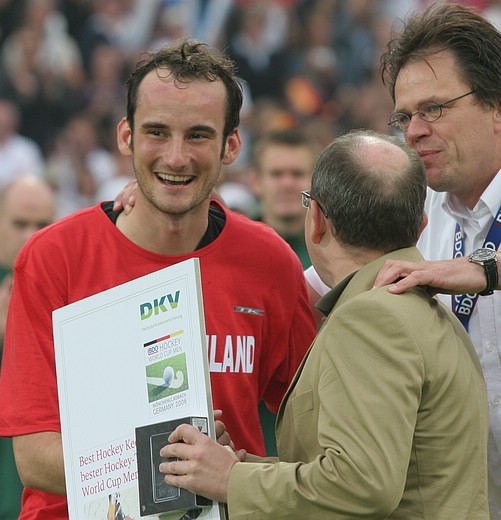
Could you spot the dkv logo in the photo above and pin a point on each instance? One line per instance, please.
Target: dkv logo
(159, 305)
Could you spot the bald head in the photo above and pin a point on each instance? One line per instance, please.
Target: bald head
(372, 187)
(26, 205)
(382, 159)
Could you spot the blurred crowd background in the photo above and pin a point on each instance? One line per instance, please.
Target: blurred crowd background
(312, 64)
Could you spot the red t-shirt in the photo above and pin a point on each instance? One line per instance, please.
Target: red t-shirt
(247, 265)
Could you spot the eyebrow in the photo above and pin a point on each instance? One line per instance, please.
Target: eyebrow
(195, 128)
(427, 99)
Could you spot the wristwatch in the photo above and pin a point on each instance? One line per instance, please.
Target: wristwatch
(487, 258)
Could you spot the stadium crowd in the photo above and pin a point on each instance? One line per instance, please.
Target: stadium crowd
(63, 66)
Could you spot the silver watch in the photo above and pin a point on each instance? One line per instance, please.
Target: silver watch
(487, 258)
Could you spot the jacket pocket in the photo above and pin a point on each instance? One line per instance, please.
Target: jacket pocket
(302, 403)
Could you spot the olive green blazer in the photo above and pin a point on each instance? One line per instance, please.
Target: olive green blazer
(385, 418)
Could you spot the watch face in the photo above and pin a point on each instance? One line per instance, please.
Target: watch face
(484, 254)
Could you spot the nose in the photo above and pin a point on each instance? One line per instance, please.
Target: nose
(288, 179)
(175, 154)
(417, 129)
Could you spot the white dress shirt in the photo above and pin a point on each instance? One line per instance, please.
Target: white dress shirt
(437, 243)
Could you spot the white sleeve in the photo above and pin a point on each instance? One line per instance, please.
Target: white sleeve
(313, 280)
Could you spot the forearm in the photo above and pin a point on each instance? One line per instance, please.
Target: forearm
(250, 457)
(457, 276)
(39, 460)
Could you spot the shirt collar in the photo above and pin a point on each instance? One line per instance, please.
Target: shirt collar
(489, 202)
(329, 300)
(362, 280)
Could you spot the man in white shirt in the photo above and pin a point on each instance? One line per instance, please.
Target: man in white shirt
(443, 71)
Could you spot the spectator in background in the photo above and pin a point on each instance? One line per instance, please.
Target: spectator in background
(237, 196)
(78, 165)
(124, 24)
(312, 75)
(104, 92)
(199, 19)
(19, 155)
(282, 167)
(11, 15)
(42, 70)
(258, 47)
(493, 13)
(27, 204)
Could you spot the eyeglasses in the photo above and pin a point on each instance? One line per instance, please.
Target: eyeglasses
(306, 199)
(428, 111)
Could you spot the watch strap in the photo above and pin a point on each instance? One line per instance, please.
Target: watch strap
(491, 273)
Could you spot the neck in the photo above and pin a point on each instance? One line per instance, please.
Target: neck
(470, 194)
(285, 226)
(469, 200)
(163, 233)
(350, 260)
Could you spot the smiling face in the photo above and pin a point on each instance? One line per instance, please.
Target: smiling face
(462, 150)
(177, 144)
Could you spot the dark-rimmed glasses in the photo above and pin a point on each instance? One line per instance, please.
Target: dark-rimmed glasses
(428, 111)
(306, 199)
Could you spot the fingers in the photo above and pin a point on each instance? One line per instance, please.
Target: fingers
(201, 465)
(241, 454)
(413, 280)
(126, 199)
(185, 433)
(222, 436)
(225, 440)
(117, 203)
(391, 271)
(220, 428)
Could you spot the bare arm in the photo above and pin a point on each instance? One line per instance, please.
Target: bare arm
(457, 276)
(39, 460)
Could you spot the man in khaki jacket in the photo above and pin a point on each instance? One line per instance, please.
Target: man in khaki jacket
(387, 416)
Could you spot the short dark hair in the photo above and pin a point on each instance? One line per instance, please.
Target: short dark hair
(473, 41)
(185, 61)
(291, 137)
(370, 207)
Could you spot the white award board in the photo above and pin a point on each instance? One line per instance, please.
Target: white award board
(131, 356)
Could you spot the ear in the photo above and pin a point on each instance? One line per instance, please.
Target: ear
(497, 118)
(318, 223)
(424, 223)
(232, 147)
(124, 137)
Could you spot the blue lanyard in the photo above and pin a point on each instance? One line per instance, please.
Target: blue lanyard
(463, 304)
